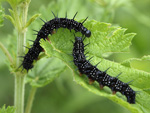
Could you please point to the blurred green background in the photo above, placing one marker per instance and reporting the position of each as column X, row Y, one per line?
column 63, row 95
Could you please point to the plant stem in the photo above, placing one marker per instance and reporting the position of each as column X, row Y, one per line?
column 19, row 77
column 19, row 93
column 20, row 47
column 22, row 32
column 21, row 17
column 30, row 100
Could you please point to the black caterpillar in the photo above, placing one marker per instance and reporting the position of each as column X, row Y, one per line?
column 94, row 74
column 47, row 29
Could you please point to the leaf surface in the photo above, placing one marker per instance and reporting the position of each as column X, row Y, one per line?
column 105, row 38
column 9, row 109
column 45, row 71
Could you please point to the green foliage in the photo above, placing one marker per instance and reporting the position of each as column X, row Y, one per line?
column 10, row 19
column 140, row 64
column 9, row 109
column 1, row 15
column 105, row 41
column 31, row 20
column 45, row 71
column 15, row 3
column 105, row 38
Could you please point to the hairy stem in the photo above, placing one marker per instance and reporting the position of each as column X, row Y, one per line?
column 21, row 17
column 30, row 100
column 20, row 47
column 22, row 32
column 19, row 93
column 19, row 77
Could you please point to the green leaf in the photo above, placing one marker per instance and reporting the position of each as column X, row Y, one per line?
column 1, row 15
column 45, row 71
column 10, row 18
column 140, row 64
column 31, row 20
column 105, row 38
column 12, row 13
column 9, row 109
column 14, row 3
column 111, row 39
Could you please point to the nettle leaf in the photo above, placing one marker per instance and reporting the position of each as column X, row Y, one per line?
column 105, row 38
column 31, row 20
column 137, row 63
column 10, row 18
column 9, row 109
column 45, row 71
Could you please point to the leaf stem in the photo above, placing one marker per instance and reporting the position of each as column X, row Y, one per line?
column 30, row 100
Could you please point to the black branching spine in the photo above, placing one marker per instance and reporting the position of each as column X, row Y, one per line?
column 94, row 74
column 47, row 29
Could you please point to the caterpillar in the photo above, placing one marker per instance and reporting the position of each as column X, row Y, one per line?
column 94, row 74
column 47, row 29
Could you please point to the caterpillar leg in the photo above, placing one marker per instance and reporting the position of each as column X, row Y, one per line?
column 91, row 81
column 80, row 74
column 101, row 86
column 113, row 92
column 48, row 40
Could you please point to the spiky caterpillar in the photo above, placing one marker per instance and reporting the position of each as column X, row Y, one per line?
column 94, row 74
column 47, row 29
